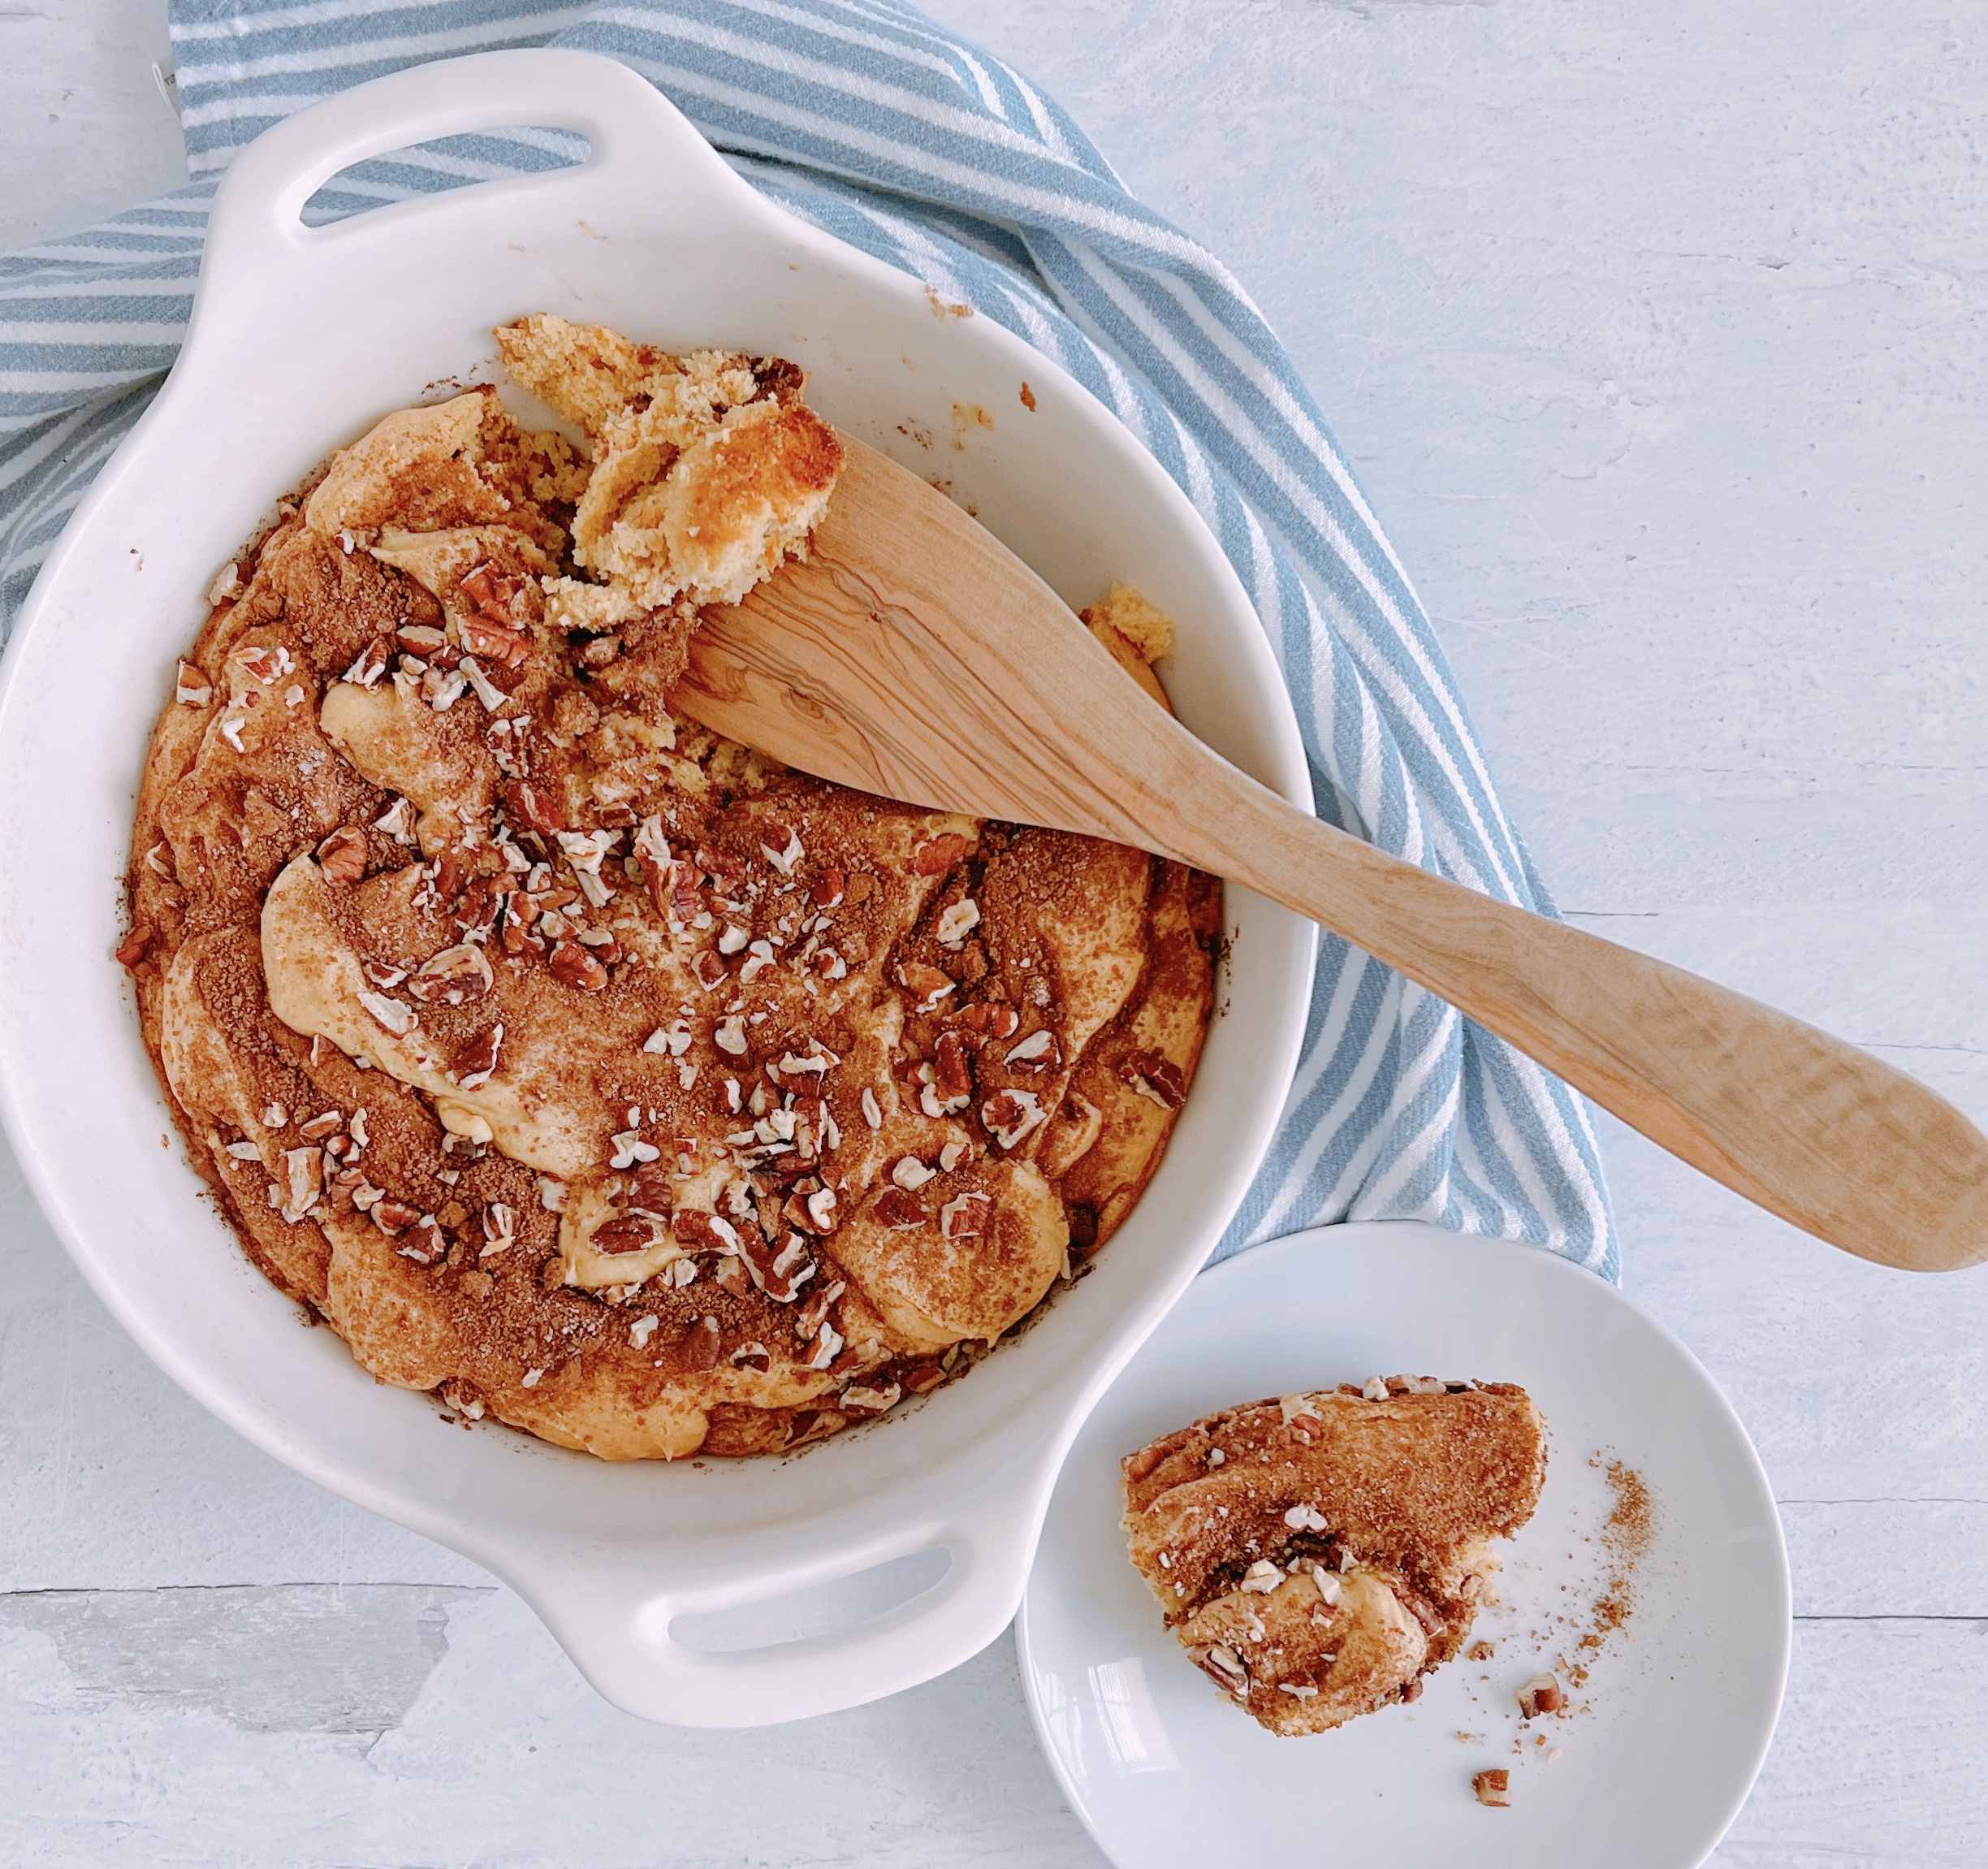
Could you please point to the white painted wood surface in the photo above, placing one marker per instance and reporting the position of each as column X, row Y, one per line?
column 1659, row 337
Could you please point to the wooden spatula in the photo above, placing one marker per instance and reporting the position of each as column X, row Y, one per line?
column 913, row 655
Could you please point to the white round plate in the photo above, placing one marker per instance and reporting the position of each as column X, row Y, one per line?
column 1661, row 1742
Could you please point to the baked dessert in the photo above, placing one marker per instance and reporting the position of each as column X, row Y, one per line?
column 569, row 1060
column 1317, row 1555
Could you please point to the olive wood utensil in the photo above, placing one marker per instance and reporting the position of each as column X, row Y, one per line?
column 915, row 656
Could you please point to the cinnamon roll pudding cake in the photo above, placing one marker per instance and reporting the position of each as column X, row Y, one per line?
column 1317, row 1555
column 595, row 1073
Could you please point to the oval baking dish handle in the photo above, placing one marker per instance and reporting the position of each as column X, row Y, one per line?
column 638, row 138
column 615, row 1621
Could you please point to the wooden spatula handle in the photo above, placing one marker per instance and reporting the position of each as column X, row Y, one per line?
column 1804, row 1125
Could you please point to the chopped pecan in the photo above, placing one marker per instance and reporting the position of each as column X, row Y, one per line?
column 518, row 936
column 1154, row 1077
column 1540, row 1694
column 304, row 1180
column 573, row 965
column 499, row 1228
column 811, row 1209
column 134, row 947
column 1037, row 1052
column 424, row 1242
column 817, row 1063
column 1262, row 1578
column 392, row 1014
column 828, row 888
column 951, row 1075
column 938, row 855
column 495, row 642
column 261, row 660
column 533, row 807
column 1009, row 1116
column 1492, row 1787
column 631, row 1233
column 828, row 1347
column 492, row 593
column 1227, row 1669
column 652, row 850
column 899, row 1210
column 722, row 866
column 816, row 1308
column 606, row 949
column 482, row 899
column 697, row 1348
column 451, row 977
column 781, row 1275
column 864, row 1399
column 629, row 1149
column 987, row 1018
column 964, row 1217
column 781, row 848
column 345, row 1190
column 956, row 921
column 477, row 1060
column 925, row 984
column 650, row 1192
column 754, row 1355
column 708, row 1232
column 810, row 1425
column 393, row 1217
column 342, row 856
column 371, row 664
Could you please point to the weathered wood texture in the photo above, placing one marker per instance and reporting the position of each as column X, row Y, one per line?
column 1657, row 336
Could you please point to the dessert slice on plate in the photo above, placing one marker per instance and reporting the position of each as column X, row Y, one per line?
column 1316, row 1554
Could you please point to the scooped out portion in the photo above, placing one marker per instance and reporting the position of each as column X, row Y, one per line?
column 593, row 1072
column 708, row 469
column 1317, row 1555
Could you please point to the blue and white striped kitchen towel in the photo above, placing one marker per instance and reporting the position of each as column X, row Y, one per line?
column 865, row 118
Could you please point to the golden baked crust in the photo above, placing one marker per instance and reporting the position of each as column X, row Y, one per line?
column 566, row 1059
column 1318, row 1554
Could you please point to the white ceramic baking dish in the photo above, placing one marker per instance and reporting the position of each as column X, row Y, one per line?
column 300, row 338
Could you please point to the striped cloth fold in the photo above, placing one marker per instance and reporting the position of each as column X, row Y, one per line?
column 868, row 120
